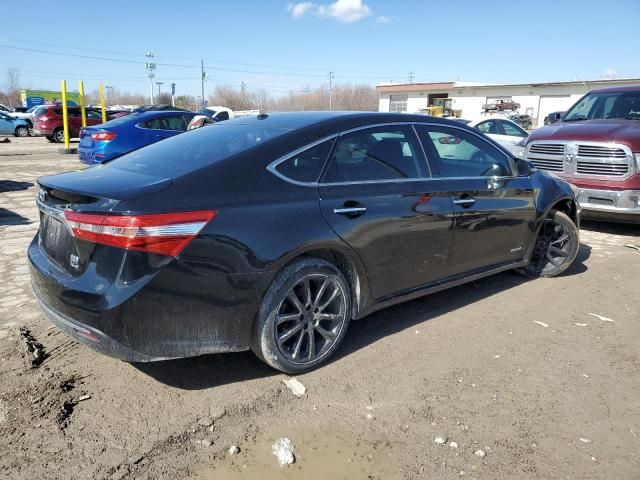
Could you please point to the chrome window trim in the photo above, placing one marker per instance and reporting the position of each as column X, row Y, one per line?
column 272, row 166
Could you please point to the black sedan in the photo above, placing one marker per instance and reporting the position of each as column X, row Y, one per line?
column 272, row 232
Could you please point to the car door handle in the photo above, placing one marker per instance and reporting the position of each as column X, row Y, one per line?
column 464, row 202
column 351, row 211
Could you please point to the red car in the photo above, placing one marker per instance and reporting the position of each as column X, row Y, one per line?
column 48, row 122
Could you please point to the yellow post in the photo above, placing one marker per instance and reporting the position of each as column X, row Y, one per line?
column 104, row 111
column 65, row 116
column 83, row 112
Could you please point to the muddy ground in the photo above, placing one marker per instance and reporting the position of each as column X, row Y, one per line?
column 554, row 399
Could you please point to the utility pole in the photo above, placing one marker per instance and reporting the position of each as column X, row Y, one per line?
column 410, row 77
column 173, row 94
column 109, row 96
column 159, row 84
column 330, row 90
column 202, row 79
column 243, row 90
column 150, row 66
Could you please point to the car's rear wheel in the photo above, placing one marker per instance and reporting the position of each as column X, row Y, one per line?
column 303, row 317
column 58, row 135
column 556, row 247
column 22, row 131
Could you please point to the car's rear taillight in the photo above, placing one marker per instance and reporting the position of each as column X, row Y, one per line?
column 164, row 233
column 103, row 136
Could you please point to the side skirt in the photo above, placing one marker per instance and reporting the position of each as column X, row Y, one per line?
column 437, row 287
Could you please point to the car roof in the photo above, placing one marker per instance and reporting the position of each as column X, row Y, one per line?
column 295, row 120
column 625, row 88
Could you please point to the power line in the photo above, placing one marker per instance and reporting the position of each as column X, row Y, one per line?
column 358, row 74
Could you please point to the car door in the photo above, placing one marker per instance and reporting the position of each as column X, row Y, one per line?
column 377, row 194
column 6, row 125
column 494, row 209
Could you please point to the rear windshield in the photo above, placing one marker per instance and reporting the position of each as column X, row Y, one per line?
column 195, row 149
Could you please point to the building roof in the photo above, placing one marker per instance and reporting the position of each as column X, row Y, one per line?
column 412, row 87
column 440, row 86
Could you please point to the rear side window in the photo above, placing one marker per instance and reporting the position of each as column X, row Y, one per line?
column 490, row 126
column 383, row 153
column 222, row 116
column 306, row 166
column 463, row 154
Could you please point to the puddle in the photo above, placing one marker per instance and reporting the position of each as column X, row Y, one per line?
column 320, row 455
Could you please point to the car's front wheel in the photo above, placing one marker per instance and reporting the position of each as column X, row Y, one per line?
column 22, row 131
column 303, row 317
column 556, row 247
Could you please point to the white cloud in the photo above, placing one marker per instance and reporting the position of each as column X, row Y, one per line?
column 610, row 73
column 347, row 11
column 383, row 19
column 299, row 9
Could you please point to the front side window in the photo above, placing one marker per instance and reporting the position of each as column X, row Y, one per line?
column 398, row 103
column 513, row 130
column 306, row 166
column 463, row 154
column 382, row 153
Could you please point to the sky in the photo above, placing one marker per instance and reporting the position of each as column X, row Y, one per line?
column 281, row 46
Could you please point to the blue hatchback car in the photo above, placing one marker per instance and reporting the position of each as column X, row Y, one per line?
column 125, row 134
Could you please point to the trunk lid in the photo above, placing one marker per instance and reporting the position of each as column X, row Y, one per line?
column 93, row 190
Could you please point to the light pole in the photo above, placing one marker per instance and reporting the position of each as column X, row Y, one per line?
column 109, row 90
column 159, row 84
column 150, row 66
column 173, row 94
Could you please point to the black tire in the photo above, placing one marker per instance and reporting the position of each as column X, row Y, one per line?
column 50, row 138
column 58, row 135
column 273, row 341
column 553, row 253
column 21, row 131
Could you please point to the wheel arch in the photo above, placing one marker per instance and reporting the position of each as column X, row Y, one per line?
column 348, row 264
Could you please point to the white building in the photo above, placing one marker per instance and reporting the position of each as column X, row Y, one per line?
column 535, row 99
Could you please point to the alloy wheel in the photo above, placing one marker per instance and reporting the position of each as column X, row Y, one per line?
column 553, row 247
column 310, row 318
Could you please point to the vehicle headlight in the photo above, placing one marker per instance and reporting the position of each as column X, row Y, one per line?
column 519, row 151
column 637, row 155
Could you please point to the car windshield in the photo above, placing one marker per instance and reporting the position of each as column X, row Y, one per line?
column 606, row 105
column 198, row 148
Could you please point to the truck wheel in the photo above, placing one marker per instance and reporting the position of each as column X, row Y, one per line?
column 58, row 135
column 556, row 247
column 303, row 317
column 21, row 131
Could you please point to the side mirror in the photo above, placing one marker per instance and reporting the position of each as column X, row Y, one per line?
column 525, row 167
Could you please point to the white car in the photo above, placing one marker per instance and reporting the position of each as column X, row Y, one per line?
column 503, row 131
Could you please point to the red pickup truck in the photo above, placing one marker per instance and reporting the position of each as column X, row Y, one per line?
column 596, row 147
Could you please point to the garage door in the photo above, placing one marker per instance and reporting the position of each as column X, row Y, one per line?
column 552, row 103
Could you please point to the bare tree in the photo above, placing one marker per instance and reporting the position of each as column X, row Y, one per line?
column 13, row 86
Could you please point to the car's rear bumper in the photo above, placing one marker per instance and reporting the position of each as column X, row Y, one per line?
column 181, row 310
column 615, row 205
